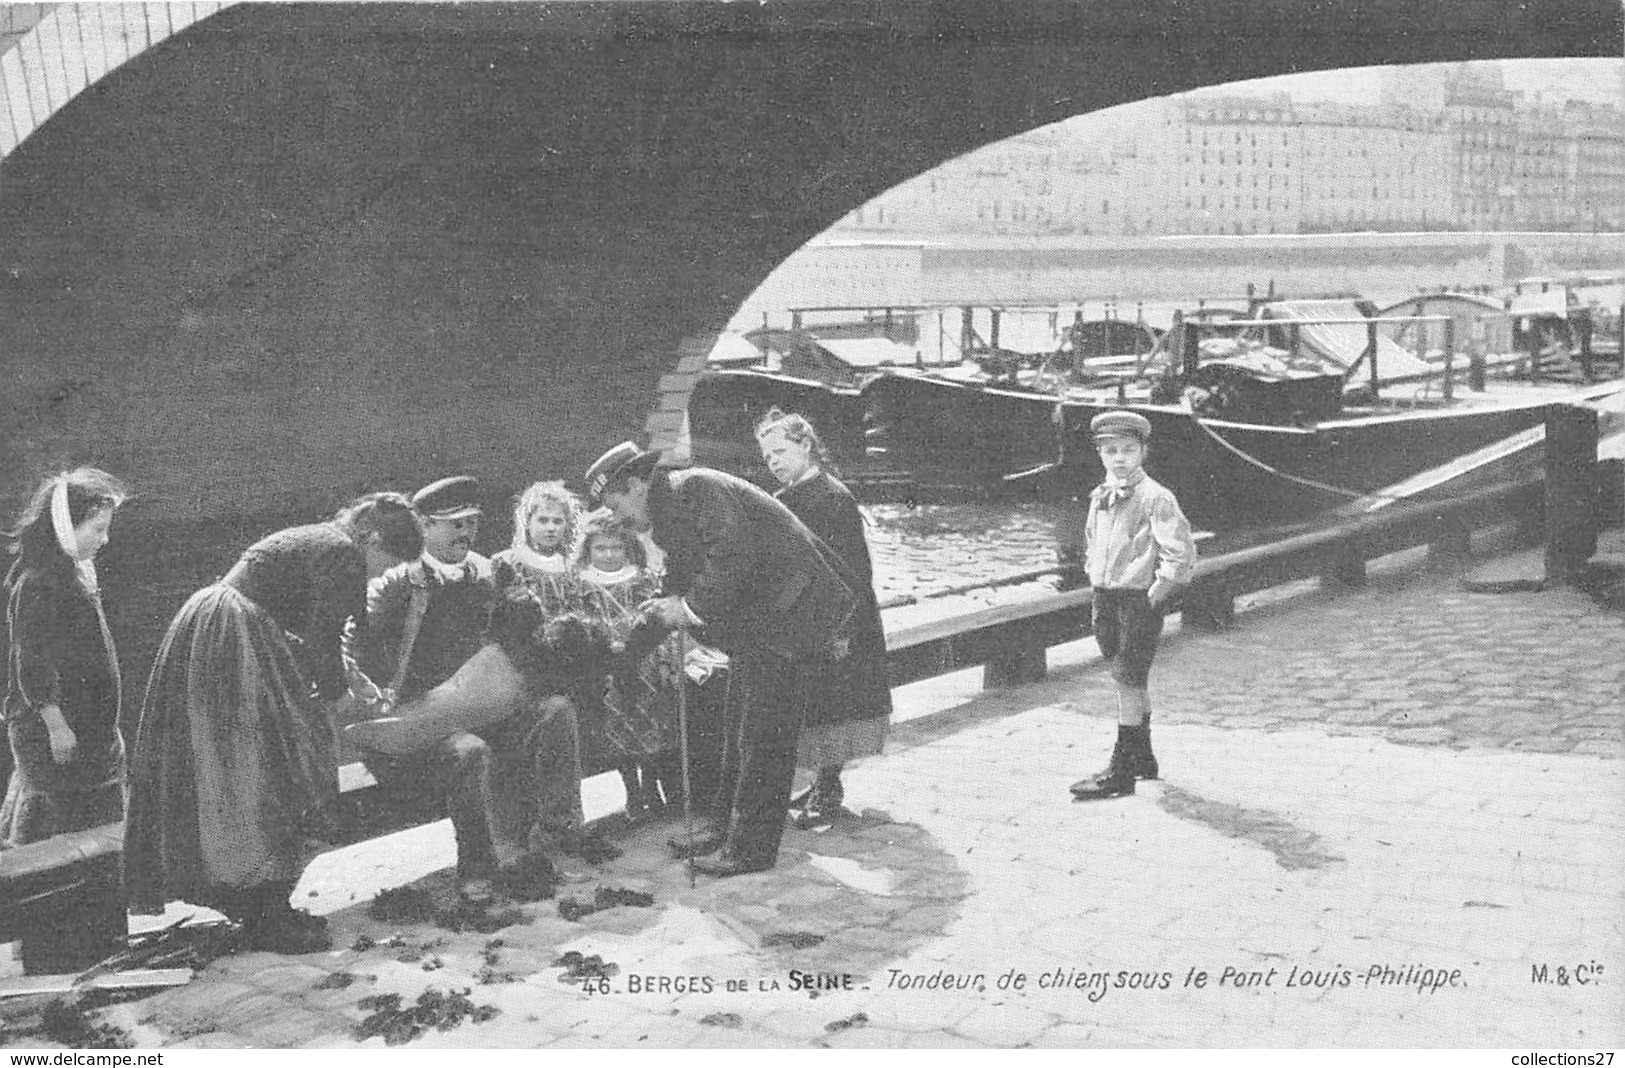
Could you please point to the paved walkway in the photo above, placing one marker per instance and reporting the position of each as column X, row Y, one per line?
column 1385, row 814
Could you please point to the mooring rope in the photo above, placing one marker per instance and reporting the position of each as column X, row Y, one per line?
column 1299, row 479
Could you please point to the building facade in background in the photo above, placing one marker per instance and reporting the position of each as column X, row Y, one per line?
column 1445, row 147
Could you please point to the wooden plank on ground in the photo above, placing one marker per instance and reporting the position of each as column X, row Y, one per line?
column 135, row 979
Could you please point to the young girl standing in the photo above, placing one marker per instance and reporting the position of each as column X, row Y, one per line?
column 849, row 696
column 638, row 728
column 62, row 695
column 535, row 571
column 546, row 519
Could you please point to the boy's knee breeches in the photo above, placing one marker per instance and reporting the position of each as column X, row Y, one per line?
column 1127, row 628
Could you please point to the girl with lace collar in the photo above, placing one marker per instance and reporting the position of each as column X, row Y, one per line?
column 638, row 728
column 546, row 522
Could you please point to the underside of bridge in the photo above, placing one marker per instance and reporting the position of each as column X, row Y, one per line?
column 295, row 251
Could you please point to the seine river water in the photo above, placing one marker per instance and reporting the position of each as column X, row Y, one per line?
column 926, row 549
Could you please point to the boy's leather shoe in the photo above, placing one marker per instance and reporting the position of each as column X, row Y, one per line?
column 1117, row 780
column 1119, row 783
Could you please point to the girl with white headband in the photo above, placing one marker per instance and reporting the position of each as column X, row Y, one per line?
column 62, row 694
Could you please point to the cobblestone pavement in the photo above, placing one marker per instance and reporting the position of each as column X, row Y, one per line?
column 1388, row 817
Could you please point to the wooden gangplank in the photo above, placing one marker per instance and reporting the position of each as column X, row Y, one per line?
column 1516, row 458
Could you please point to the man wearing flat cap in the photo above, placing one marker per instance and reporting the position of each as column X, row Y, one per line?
column 459, row 584
column 769, row 594
column 424, row 620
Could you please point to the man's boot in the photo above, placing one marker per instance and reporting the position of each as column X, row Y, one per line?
column 1117, row 780
column 1145, row 761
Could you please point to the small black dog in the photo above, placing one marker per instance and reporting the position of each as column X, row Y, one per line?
column 576, row 655
column 566, row 655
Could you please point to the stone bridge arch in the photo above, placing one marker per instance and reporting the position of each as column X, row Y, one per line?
column 371, row 242
column 50, row 53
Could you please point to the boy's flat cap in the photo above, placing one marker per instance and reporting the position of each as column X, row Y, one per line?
column 1119, row 422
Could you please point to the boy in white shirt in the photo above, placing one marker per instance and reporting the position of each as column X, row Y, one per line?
column 1140, row 552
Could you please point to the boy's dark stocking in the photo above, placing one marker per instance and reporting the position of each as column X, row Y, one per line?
column 1117, row 779
column 1131, row 756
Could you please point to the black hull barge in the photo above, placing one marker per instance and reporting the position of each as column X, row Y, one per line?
column 1264, row 419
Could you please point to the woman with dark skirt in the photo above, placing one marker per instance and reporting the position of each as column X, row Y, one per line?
column 236, row 755
column 849, row 700
column 62, row 693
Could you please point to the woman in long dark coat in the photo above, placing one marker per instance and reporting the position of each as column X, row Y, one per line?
column 62, row 691
column 236, row 755
column 849, row 699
